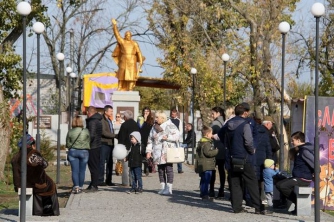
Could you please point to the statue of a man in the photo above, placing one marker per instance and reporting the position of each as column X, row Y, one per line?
column 126, row 55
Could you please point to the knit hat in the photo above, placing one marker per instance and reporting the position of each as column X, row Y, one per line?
column 136, row 135
column 268, row 163
column 30, row 141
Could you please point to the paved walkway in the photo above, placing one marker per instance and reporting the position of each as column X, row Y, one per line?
column 114, row 204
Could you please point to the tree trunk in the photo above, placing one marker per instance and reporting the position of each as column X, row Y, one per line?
column 5, row 133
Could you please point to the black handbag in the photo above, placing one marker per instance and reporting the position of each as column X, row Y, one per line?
column 238, row 165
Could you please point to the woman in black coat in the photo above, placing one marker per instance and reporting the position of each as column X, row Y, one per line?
column 145, row 132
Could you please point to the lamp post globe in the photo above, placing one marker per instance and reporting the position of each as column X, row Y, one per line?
column 225, row 57
column 284, row 27
column 73, row 75
column 318, row 9
column 69, row 70
column 23, row 8
column 38, row 27
column 193, row 71
column 60, row 56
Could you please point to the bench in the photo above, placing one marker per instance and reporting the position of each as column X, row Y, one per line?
column 303, row 195
column 29, row 201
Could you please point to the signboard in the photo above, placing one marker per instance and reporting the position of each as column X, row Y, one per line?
column 121, row 109
column 326, row 144
column 44, row 122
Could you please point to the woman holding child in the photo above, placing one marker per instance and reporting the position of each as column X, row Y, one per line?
column 163, row 134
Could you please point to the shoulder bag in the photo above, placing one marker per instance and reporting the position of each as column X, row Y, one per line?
column 175, row 155
column 75, row 139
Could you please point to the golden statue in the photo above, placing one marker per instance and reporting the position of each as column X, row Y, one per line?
column 126, row 55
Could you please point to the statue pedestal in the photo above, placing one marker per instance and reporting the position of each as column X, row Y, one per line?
column 126, row 100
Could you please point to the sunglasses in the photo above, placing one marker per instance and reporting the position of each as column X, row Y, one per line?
column 117, row 116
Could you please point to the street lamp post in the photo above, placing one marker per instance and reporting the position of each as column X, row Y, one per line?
column 60, row 56
column 69, row 72
column 24, row 9
column 225, row 58
column 193, row 72
column 318, row 10
column 284, row 28
column 38, row 28
column 68, row 78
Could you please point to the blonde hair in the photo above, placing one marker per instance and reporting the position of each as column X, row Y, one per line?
column 77, row 122
column 161, row 114
column 206, row 130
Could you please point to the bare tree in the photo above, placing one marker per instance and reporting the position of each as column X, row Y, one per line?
column 90, row 22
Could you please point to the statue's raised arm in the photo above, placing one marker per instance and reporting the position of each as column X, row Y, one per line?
column 126, row 55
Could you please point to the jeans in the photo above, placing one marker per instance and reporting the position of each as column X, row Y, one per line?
column 78, row 159
column 136, row 177
column 106, row 157
column 179, row 167
column 205, row 182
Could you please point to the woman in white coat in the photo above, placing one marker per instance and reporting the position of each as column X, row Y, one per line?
column 163, row 134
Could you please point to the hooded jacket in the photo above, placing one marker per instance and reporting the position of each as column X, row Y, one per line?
column 135, row 156
column 206, row 153
column 94, row 127
column 157, row 146
column 238, row 137
column 304, row 162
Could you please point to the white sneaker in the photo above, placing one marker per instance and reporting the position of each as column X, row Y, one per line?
column 265, row 202
column 168, row 189
column 163, row 188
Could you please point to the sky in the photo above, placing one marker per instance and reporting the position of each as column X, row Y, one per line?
column 302, row 16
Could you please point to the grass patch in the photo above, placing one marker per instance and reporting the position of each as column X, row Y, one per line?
column 331, row 212
column 10, row 200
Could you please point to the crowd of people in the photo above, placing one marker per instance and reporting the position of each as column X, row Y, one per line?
column 242, row 148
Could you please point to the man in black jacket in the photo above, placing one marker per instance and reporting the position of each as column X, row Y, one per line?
column 107, row 147
column 302, row 155
column 94, row 126
column 239, row 140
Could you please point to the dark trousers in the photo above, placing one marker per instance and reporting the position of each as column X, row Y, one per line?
column 106, row 163
column 286, row 186
column 249, row 179
column 94, row 165
column 222, row 176
column 46, row 205
column 166, row 174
